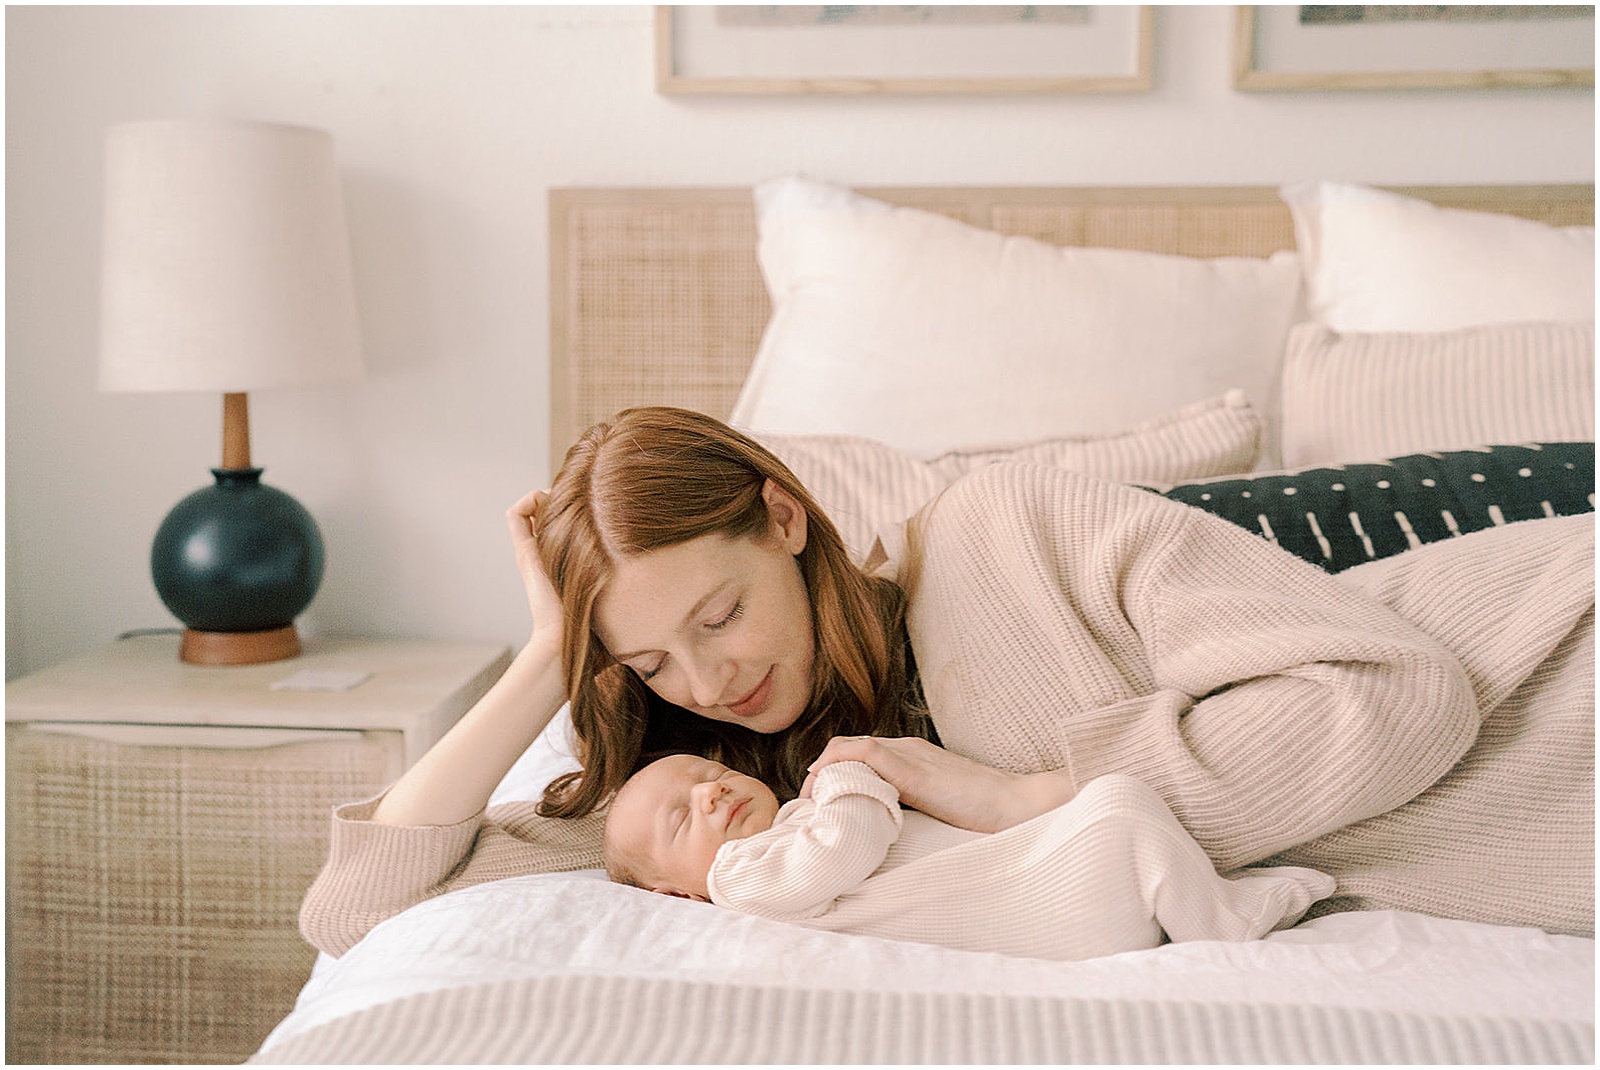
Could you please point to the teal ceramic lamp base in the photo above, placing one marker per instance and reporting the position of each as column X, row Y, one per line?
column 237, row 562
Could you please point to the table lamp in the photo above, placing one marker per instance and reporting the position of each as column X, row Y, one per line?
column 226, row 268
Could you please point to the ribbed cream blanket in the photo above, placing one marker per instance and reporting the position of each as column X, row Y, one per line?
column 1283, row 714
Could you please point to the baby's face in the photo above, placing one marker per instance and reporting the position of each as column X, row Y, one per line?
column 671, row 817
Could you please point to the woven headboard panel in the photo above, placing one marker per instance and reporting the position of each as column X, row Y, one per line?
column 656, row 297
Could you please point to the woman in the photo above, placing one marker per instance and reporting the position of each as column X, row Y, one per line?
column 688, row 594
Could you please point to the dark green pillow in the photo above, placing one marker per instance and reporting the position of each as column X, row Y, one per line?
column 1344, row 515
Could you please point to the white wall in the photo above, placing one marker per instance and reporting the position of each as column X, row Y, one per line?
column 451, row 124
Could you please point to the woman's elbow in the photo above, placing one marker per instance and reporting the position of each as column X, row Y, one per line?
column 1448, row 712
column 1422, row 718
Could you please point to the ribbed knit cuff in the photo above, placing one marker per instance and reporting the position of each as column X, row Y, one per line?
column 856, row 778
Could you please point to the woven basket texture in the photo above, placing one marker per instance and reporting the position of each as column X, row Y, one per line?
column 152, row 892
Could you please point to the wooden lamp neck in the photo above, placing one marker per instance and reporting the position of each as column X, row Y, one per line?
column 235, row 431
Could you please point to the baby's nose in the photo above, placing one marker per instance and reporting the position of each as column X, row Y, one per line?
column 709, row 792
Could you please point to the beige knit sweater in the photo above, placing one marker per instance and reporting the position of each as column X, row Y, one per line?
column 1282, row 713
column 1108, row 872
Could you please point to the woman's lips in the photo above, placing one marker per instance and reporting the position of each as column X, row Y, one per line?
column 756, row 700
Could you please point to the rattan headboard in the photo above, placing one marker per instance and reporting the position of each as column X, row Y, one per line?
column 656, row 298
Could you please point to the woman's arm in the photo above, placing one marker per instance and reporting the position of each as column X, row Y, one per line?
column 454, row 779
column 956, row 790
column 427, row 834
column 1066, row 623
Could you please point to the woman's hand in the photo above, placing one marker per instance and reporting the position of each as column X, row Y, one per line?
column 523, row 519
column 956, row 790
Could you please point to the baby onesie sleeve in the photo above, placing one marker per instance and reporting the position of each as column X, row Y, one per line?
column 817, row 849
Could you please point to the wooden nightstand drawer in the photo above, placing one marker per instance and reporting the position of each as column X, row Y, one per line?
column 154, row 878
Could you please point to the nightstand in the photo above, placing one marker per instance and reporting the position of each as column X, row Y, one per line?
column 163, row 822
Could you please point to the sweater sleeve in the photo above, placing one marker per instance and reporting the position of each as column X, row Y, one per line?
column 375, row 871
column 815, row 852
column 1066, row 622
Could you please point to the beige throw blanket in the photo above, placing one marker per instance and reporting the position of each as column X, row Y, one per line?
column 1421, row 727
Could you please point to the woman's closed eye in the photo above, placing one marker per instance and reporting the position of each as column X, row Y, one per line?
column 646, row 675
column 733, row 614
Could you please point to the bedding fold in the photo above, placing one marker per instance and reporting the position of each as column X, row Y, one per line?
column 623, row 1020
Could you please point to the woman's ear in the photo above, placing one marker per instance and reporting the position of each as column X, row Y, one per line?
column 788, row 516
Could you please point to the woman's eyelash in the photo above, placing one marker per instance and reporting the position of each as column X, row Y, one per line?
column 651, row 674
column 733, row 614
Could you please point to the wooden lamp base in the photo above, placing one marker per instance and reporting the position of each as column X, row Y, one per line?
column 238, row 648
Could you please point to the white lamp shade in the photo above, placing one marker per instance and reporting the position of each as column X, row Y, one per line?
column 226, row 263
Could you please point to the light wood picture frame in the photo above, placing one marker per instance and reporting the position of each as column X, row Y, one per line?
column 1400, row 47
column 867, row 50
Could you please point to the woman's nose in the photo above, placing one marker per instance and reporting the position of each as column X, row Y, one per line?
column 708, row 680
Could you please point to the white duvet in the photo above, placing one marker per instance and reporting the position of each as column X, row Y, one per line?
column 580, row 924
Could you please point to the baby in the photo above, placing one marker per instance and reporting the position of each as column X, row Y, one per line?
column 1110, row 871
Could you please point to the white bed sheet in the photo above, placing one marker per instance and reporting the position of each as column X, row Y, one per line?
column 580, row 924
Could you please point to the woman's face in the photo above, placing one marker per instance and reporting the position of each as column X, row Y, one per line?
column 719, row 626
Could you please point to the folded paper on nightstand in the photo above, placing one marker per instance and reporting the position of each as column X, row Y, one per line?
column 322, row 680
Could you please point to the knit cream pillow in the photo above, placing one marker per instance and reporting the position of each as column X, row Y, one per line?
column 1350, row 397
column 864, row 485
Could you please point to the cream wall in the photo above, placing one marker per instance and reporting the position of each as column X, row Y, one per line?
column 451, row 124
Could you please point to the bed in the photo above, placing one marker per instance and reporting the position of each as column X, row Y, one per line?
column 1348, row 372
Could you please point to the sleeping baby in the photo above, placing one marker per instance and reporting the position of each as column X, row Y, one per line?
column 1110, row 871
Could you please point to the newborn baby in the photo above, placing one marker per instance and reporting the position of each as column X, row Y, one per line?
column 1110, row 871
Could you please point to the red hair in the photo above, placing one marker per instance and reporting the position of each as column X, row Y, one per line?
column 656, row 477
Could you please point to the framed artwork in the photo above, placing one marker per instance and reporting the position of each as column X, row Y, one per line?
column 882, row 49
column 1413, row 46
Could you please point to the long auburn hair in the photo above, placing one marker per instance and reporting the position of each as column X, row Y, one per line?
column 657, row 476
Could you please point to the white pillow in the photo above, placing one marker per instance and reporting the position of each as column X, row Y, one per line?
column 1379, row 261
column 865, row 485
column 929, row 335
column 1349, row 397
